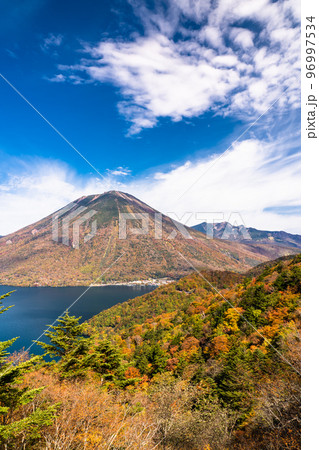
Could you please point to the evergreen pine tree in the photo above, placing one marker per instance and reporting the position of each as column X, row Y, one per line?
column 141, row 360
column 106, row 361
column 25, row 431
column 152, row 358
column 68, row 343
column 233, row 385
column 63, row 337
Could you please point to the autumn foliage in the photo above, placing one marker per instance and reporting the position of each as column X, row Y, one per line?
column 209, row 362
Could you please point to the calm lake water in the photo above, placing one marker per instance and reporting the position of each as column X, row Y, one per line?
column 37, row 307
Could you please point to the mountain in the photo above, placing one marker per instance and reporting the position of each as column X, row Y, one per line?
column 80, row 245
column 224, row 230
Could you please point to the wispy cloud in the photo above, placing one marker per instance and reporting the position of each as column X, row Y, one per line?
column 235, row 59
column 52, row 41
column 120, row 172
column 11, row 53
column 39, row 187
column 256, row 178
column 59, row 78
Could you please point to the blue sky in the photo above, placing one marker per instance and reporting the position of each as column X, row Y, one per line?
column 151, row 93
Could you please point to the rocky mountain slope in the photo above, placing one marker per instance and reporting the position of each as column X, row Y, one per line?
column 80, row 245
column 224, row 230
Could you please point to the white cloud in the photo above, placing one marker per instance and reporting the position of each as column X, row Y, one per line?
column 242, row 37
column 254, row 176
column 212, row 36
column 51, row 41
column 179, row 71
column 120, row 172
column 59, row 78
column 41, row 188
column 194, row 9
column 164, row 79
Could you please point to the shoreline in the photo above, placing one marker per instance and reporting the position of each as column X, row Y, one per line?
column 153, row 282
column 138, row 283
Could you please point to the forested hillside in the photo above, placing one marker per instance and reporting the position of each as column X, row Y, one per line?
column 209, row 362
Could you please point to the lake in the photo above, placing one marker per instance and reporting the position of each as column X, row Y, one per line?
column 37, row 307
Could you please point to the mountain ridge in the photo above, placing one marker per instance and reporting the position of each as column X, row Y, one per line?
column 30, row 257
column 224, row 230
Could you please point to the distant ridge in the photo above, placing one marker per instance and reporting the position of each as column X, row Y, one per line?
column 29, row 257
column 224, row 230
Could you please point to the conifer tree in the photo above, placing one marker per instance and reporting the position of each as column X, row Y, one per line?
column 151, row 359
column 63, row 337
column 233, row 385
column 107, row 362
column 68, row 343
column 141, row 360
column 26, row 430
